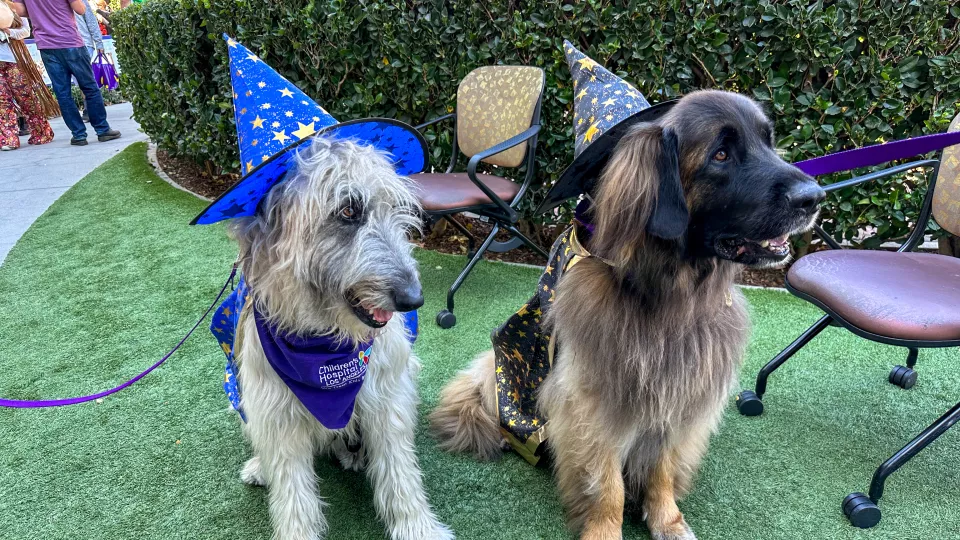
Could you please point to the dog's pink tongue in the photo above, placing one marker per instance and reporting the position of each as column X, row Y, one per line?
column 382, row 315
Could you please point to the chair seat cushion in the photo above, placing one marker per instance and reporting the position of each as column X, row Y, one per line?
column 910, row 296
column 440, row 192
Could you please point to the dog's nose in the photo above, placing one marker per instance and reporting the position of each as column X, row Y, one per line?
column 408, row 297
column 805, row 196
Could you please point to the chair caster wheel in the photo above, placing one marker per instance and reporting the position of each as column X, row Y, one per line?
column 445, row 319
column 861, row 511
column 903, row 377
column 749, row 404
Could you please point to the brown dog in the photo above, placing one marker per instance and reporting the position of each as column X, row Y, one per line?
column 650, row 329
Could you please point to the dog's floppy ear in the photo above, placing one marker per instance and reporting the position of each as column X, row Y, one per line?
column 639, row 194
column 669, row 217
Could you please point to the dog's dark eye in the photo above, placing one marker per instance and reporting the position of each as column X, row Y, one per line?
column 350, row 212
column 720, row 155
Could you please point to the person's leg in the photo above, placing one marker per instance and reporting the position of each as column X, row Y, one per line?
column 79, row 65
column 26, row 98
column 59, row 73
column 9, row 133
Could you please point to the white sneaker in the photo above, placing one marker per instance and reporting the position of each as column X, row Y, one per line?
column 6, row 148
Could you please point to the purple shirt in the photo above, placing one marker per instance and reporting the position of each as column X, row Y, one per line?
column 54, row 25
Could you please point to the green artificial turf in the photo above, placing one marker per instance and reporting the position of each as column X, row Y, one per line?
column 111, row 277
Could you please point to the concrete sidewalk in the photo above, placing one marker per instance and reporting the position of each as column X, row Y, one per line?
column 33, row 177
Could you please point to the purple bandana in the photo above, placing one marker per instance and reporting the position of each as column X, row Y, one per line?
column 324, row 375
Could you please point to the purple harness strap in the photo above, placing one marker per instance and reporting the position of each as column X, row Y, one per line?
column 31, row 404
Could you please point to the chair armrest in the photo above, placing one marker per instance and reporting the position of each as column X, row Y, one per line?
column 857, row 180
column 917, row 233
column 436, row 120
column 493, row 150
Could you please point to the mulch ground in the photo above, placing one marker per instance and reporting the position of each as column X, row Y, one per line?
column 193, row 177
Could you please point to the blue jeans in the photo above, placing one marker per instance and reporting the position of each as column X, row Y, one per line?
column 61, row 64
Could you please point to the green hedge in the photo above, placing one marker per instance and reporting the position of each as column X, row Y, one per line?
column 833, row 73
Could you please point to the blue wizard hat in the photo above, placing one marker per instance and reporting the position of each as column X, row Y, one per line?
column 274, row 118
column 604, row 108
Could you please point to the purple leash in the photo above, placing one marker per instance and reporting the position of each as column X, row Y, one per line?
column 877, row 154
column 30, row 404
column 831, row 163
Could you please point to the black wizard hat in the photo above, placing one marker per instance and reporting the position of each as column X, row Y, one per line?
column 605, row 107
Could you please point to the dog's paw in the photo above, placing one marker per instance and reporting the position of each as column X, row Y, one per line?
column 681, row 532
column 251, row 473
column 350, row 460
column 429, row 530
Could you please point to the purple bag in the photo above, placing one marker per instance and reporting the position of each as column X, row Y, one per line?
column 104, row 72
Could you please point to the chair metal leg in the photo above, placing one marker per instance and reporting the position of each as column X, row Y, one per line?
column 861, row 509
column 530, row 243
column 749, row 401
column 446, row 318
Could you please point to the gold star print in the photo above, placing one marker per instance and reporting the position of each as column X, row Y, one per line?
column 275, row 125
column 537, row 312
column 258, row 122
column 231, row 43
column 286, row 93
column 512, row 423
column 218, row 330
column 586, row 63
column 580, row 121
column 254, row 142
column 546, row 288
column 517, row 355
column 252, row 57
column 629, row 106
column 225, row 347
column 227, row 312
column 593, row 78
column 516, row 395
column 609, row 117
column 591, row 119
column 261, row 84
column 249, row 168
column 288, row 114
column 582, row 94
column 265, row 106
column 265, row 157
column 304, row 130
column 591, row 133
column 499, row 370
column 535, row 422
column 593, row 101
column 609, row 102
column 521, row 333
column 521, row 312
column 248, row 93
column 243, row 110
column 549, row 270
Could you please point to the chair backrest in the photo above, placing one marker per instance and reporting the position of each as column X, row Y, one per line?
column 946, row 192
column 495, row 103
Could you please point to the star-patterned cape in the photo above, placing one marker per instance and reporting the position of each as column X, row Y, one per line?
column 523, row 352
column 224, row 328
column 274, row 118
column 604, row 108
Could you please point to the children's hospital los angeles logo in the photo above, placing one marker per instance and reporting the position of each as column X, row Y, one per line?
column 333, row 376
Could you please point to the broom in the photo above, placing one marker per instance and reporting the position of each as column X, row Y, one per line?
column 31, row 73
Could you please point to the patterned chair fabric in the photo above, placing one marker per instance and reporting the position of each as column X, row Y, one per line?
column 946, row 195
column 495, row 103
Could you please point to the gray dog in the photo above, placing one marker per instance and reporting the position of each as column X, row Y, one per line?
column 327, row 255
